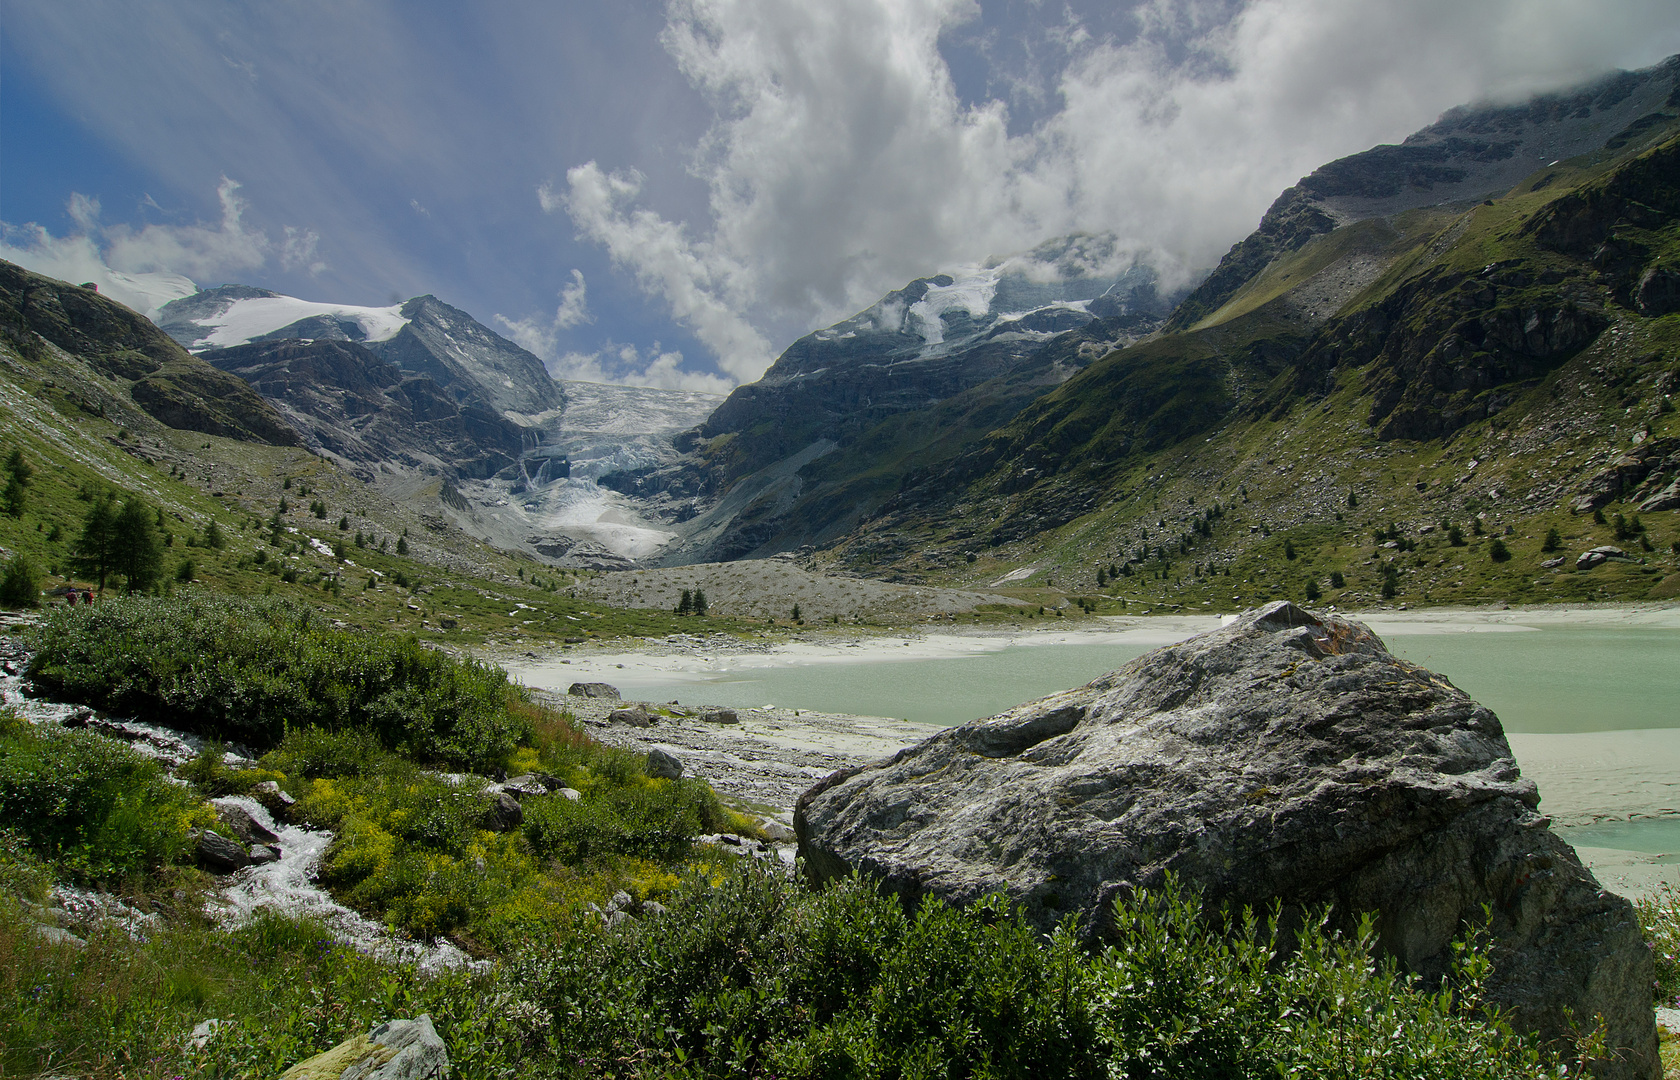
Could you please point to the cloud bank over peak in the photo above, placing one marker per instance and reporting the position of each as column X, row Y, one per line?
column 843, row 159
column 147, row 267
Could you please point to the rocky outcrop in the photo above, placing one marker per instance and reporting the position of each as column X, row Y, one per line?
column 594, row 690
column 368, row 413
column 395, row 1050
column 1591, row 558
column 1625, row 475
column 1285, row 757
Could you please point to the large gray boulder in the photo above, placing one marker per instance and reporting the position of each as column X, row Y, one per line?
column 395, row 1050
column 1284, row 756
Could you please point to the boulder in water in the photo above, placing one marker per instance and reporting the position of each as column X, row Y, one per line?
column 218, row 854
column 1284, row 757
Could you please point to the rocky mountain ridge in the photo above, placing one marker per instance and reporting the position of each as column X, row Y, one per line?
column 977, row 342
column 1320, row 383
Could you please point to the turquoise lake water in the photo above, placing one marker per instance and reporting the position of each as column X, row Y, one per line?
column 1593, row 714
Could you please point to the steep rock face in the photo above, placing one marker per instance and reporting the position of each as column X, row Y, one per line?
column 474, row 364
column 1283, row 757
column 163, row 379
column 752, row 468
column 365, row 412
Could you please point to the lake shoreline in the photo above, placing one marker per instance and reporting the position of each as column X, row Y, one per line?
column 774, row 753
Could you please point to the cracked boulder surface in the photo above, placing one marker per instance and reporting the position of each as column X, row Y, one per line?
column 1287, row 757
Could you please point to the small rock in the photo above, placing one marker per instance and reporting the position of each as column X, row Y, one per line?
column 57, row 935
column 504, row 814
column 778, row 832
column 572, row 794
column 1591, row 558
column 79, row 718
column 635, row 716
column 269, row 794
column 243, row 825
column 220, row 855
column 651, row 908
column 522, row 787
column 1553, row 564
column 621, row 901
column 395, row 1050
column 203, row 1033
column 662, row 766
column 594, row 690
column 720, row 716
column 264, row 853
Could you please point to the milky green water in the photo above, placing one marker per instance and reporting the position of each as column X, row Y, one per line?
column 1541, row 681
column 1593, row 715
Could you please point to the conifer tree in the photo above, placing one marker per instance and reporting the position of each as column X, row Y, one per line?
column 138, row 556
column 699, row 601
column 12, row 497
column 685, row 606
column 95, row 551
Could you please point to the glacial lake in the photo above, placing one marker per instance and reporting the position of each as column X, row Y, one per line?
column 1592, row 711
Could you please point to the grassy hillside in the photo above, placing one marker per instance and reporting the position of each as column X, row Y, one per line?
column 245, row 516
column 1481, row 372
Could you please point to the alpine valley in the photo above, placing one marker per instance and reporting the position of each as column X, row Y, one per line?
column 1437, row 372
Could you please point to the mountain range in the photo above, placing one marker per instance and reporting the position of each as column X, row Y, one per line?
column 1473, row 333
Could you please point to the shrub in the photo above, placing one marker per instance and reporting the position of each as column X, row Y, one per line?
column 91, row 805
column 759, row 977
column 1659, row 915
column 1337, row 581
column 20, row 583
column 655, row 820
column 1497, row 551
column 1554, row 540
column 247, row 669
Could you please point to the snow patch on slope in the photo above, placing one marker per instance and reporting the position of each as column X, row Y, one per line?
column 243, row 321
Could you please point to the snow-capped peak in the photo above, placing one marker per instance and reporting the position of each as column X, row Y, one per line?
column 237, row 320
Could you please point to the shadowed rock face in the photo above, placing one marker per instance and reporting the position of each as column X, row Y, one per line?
column 1284, row 757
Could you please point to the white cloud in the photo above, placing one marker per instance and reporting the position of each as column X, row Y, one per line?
column 541, row 337
column 574, row 303
column 707, row 287
column 623, row 365
column 842, row 163
column 146, row 268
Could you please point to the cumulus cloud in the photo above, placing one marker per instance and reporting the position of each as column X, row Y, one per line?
column 542, row 337
column 707, row 287
column 624, row 365
column 147, row 267
column 842, row 160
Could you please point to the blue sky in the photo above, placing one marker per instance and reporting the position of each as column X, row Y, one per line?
column 669, row 193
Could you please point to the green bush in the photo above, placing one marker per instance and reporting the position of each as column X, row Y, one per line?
column 760, row 977
column 20, row 584
column 653, row 821
column 90, row 805
column 246, row 670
